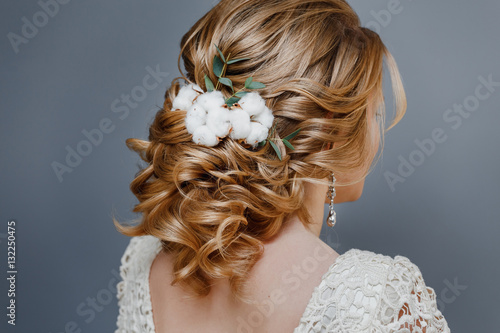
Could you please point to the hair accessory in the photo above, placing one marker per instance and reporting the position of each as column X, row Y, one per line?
column 332, row 216
column 243, row 116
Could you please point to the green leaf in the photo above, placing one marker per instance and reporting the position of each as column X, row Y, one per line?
column 209, row 84
column 276, row 149
column 291, row 136
column 274, row 128
column 262, row 143
column 218, row 66
column 256, row 85
column 227, row 82
column 288, row 144
column 220, row 52
column 230, row 101
column 248, row 82
column 241, row 93
column 236, row 60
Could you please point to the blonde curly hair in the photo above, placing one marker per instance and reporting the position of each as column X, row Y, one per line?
column 214, row 207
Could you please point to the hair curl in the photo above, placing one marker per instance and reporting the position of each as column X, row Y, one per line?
column 213, row 207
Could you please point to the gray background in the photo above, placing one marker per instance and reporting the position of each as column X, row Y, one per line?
column 443, row 217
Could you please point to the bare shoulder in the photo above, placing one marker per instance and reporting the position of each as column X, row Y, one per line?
column 285, row 277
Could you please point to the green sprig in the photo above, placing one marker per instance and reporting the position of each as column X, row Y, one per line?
column 219, row 66
column 285, row 140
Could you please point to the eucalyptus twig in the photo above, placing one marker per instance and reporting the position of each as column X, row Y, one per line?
column 285, row 140
column 220, row 65
column 236, row 93
column 225, row 60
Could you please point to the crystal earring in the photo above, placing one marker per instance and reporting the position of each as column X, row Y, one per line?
column 332, row 216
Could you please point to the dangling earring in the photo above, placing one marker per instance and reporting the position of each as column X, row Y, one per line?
column 332, row 216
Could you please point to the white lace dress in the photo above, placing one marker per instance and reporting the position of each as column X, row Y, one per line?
column 361, row 292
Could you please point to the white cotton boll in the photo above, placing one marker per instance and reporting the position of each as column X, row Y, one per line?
column 184, row 98
column 204, row 136
column 240, row 123
column 181, row 103
column 197, row 111
column 258, row 133
column 266, row 117
column 197, row 88
column 218, row 121
column 192, row 123
column 211, row 100
column 192, row 91
column 195, row 117
column 252, row 103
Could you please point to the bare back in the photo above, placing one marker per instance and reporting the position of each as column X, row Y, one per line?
column 282, row 283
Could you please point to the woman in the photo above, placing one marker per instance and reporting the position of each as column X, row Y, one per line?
column 232, row 197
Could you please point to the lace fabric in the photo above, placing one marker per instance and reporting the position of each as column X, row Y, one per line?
column 368, row 292
column 361, row 292
column 134, row 302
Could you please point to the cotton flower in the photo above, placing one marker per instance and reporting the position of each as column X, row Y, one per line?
column 211, row 100
column 240, row 123
column 209, row 120
column 195, row 117
column 218, row 121
column 197, row 88
column 204, row 136
column 185, row 97
column 257, row 134
column 266, row 117
column 252, row 103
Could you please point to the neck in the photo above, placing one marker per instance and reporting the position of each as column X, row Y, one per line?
column 314, row 201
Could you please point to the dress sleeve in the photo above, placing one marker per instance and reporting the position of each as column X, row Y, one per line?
column 134, row 306
column 365, row 292
column 124, row 288
column 408, row 305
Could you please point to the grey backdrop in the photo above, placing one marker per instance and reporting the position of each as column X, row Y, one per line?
column 68, row 69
